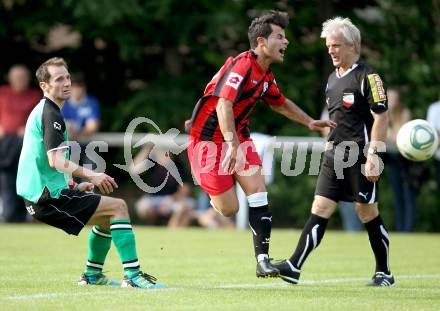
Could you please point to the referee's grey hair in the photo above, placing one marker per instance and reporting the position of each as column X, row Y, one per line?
column 345, row 27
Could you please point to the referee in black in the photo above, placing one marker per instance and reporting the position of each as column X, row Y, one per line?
column 357, row 102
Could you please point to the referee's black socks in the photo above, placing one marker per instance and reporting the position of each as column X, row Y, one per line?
column 311, row 236
column 380, row 243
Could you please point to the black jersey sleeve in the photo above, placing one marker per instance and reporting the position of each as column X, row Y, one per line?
column 375, row 92
column 53, row 128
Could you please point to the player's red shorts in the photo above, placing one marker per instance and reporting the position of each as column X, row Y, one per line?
column 206, row 157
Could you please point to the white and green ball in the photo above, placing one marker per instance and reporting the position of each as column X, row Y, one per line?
column 417, row 140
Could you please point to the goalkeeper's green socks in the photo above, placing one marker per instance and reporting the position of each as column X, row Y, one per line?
column 99, row 245
column 123, row 237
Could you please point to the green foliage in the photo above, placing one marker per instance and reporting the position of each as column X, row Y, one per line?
column 405, row 44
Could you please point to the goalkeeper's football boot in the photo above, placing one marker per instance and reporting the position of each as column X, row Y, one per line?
column 382, row 279
column 98, row 279
column 288, row 272
column 141, row 280
column 266, row 270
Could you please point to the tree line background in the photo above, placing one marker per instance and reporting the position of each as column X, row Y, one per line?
column 154, row 58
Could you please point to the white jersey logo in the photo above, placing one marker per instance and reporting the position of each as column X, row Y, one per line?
column 363, row 195
column 30, row 210
column 265, row 87
column 234, row 80
column 57, row 126
column 348, row 99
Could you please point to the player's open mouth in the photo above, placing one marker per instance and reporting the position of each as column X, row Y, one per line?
column 282, row 51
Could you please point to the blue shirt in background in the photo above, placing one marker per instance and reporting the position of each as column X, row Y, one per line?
column 87, row 109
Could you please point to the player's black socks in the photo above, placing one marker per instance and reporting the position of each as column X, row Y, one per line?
column 260, row 221
column 380, row 242
column 311, row 236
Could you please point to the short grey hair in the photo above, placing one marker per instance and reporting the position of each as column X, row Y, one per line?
column 344, row 27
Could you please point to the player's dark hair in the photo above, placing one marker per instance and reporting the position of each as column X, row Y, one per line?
column 261, row 26
column 43, row 74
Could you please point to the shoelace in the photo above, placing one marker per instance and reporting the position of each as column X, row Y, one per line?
column 148, row 277
column 102, row 279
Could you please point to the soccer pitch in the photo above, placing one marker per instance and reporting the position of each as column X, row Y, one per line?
column 215, row 270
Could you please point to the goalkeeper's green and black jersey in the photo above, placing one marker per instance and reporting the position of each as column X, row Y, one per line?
column 351, row 99
column 45, row 131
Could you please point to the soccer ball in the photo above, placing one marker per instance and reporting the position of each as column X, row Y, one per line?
column 417, row 140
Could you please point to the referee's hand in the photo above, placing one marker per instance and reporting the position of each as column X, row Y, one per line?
column 105, row 183
column 372, row 168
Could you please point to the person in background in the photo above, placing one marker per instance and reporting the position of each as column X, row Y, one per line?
column 404, row 194
column 170, row 200
column 17, row 99
column 82, row 114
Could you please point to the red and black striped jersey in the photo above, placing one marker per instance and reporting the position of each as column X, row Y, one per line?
column 242, row 81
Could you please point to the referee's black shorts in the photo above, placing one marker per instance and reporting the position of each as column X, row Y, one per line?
column 70, row 212
column 347, row 184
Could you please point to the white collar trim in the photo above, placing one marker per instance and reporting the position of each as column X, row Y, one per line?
column 347, row 72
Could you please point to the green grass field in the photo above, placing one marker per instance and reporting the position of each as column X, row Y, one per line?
column 215, row 270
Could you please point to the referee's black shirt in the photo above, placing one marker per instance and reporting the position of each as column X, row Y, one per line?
column 351, row 99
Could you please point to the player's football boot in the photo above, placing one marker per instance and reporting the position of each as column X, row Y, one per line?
column 98, row 279
column 288, row 272
column 141, row 280
column 265, row 269
column 382, row 279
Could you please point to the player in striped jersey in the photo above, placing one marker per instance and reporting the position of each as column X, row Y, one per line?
column 221, row 150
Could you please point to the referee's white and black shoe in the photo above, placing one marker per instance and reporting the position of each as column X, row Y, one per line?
column 382, row 279
column 288, row 272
